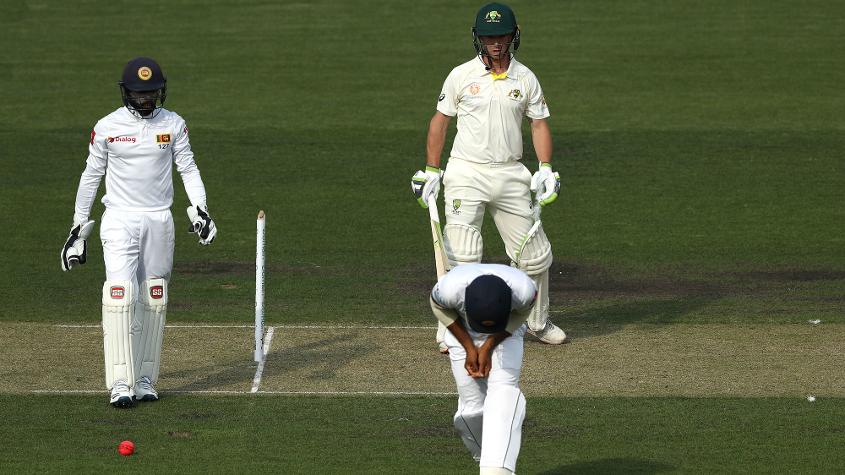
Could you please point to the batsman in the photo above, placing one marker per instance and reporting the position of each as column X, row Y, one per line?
column 490, row 95
column 135, row 148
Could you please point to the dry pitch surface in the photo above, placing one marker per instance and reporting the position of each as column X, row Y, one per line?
column 636, row 360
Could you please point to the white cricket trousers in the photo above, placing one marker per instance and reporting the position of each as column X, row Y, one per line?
column 137, row 246
column 502, row 188
column 490, row 410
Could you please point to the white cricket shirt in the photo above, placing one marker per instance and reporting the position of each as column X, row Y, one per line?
column 137, row 156
column 490, row 111
column 450, row 290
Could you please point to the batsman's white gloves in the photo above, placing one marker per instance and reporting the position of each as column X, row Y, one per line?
column 545, row 184
column 75, row 250
column 426, row 183
column 202, row 224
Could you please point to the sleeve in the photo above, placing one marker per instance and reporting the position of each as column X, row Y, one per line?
column 524, row 297
column 536, row 108
column 89, row 182
column 443, row 302
column 183, row 157
column 447, row 101
column 446, row 316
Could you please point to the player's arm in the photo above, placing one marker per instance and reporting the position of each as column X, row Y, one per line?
column 541, row 136
column 437, row 128
column 183, row 157
column 75, row 249
column 544, row 183
column 461, row 334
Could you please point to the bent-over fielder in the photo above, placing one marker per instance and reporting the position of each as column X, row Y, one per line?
column 135, row 147
column 485, row 307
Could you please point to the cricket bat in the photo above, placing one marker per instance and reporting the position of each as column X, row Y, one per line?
column 439, row 261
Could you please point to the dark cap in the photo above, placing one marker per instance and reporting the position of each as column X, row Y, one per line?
column 143, row 74
column 495, row 19
column 488, row 304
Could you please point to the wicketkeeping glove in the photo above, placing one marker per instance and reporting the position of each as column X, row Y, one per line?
column 426, row 183
column 545, row 184
column 75, row 250
column 202, row 224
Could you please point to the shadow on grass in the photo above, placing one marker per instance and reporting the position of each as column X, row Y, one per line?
column 613, row 465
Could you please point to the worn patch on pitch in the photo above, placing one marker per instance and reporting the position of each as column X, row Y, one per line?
column 634, row 360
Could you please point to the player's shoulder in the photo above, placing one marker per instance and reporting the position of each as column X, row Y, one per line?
column 464, row 69
column 522, row 71
column 112, row 120
column 167, row 116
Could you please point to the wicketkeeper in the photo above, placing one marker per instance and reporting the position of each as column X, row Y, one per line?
column 484, row 307
column 490, row 95
column 135, row 147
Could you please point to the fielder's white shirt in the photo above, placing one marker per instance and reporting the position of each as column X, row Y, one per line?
column 490, row 110
column 137, row 156
column 450, row 290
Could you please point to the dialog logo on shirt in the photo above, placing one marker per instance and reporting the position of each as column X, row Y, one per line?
column 122, row 138
column 515, row 94
column 163, row 138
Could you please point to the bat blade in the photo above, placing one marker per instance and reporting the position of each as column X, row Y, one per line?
column 437, row 238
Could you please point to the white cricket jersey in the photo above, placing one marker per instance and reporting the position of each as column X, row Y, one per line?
column 136, row 156
column 490, row 111
column 450, row 290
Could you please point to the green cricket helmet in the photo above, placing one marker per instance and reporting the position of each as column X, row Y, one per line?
column 495, row 19
column 143, row 87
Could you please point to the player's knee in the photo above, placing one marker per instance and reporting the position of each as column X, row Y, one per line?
column 118, row 293
column 154, row 293
column 536, row 256
column 464, row 244
column 468, row 419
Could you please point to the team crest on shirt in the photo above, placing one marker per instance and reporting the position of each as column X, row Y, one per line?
column 163, row 138
column 456, row 204
column 515, row 94
column 474, row 88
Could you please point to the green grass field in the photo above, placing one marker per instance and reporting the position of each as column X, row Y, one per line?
column 698, row 231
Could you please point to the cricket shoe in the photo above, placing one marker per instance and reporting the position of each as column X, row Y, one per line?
column 144, row 390
column 121, row 395
column 550, row 334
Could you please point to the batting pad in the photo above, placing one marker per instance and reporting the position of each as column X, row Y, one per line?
column 536, row 255
column 150, row 316
column 504, row 412
column 464, row 244
column 118, row 305
column 540, row 311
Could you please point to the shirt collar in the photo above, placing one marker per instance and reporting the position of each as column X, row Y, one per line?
column 482, row 70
